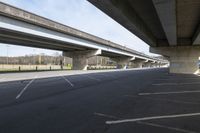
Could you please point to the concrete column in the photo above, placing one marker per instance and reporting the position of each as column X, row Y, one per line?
column 153, row 64
column 80, row 58
column 157, row 64
column 183, row 59
column 184, row 64
column 122, row 65
column 122, row 62
column 147, row 64
column 139, row 63
column 79, row 62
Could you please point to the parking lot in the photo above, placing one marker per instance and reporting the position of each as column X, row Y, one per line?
column 139, row 101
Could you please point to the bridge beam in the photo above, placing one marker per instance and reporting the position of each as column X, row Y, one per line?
column 196, row 37
column 166, row 11
column 80, row 58
column 123, row 13
column 183, row 59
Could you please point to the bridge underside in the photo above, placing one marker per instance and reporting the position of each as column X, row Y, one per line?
column 17, row 38
column 80, row 54
column 161, row 23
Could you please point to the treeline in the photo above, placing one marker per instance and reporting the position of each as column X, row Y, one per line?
column 33, row 60
column 100, row 60
column 43, row 59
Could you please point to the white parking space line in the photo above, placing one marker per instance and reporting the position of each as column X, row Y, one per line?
column 90, row 77
column 152, row 118
column 171, row 92
column 107, row 116
column 162, row 99
column 166, row 127
column 191, row 83
column 22, row 91
column 72, row 85
column 147, row 123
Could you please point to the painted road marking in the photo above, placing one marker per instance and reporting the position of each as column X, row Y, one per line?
column 147, row 123
column 90, row 77
column 166, row 127
column 72, row 85
column 162, row 99
column 108, row 116
column 171, row 92
column 152, row 118
column 191, row 83
column 22, row 91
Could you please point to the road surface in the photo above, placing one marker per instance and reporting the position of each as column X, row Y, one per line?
column 133, row 101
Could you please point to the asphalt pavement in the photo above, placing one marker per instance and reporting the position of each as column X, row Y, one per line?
column 132, row 101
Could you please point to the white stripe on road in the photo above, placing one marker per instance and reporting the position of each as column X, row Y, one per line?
column 166, row 127
column 22, row 91
column 171, row 92
column 191, row 83
column 147, row 123
column 90, row 77
column 104, row 115
column 72, row 85
column 152, row 118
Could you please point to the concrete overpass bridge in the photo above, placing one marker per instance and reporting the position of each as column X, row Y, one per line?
column 20, row 27
column 170, row 27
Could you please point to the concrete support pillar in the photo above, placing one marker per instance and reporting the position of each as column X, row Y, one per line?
column 148, row 64
column 80, row 58
column 139, row 63
column 157, row 65
column 183, row 59
column 79, row 62
column 122, row 62
column 153, row 64
column 184, row 64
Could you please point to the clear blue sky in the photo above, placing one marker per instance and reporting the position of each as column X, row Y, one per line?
column 79, row 14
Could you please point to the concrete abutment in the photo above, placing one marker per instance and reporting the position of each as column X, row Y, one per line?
column 183, row 59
